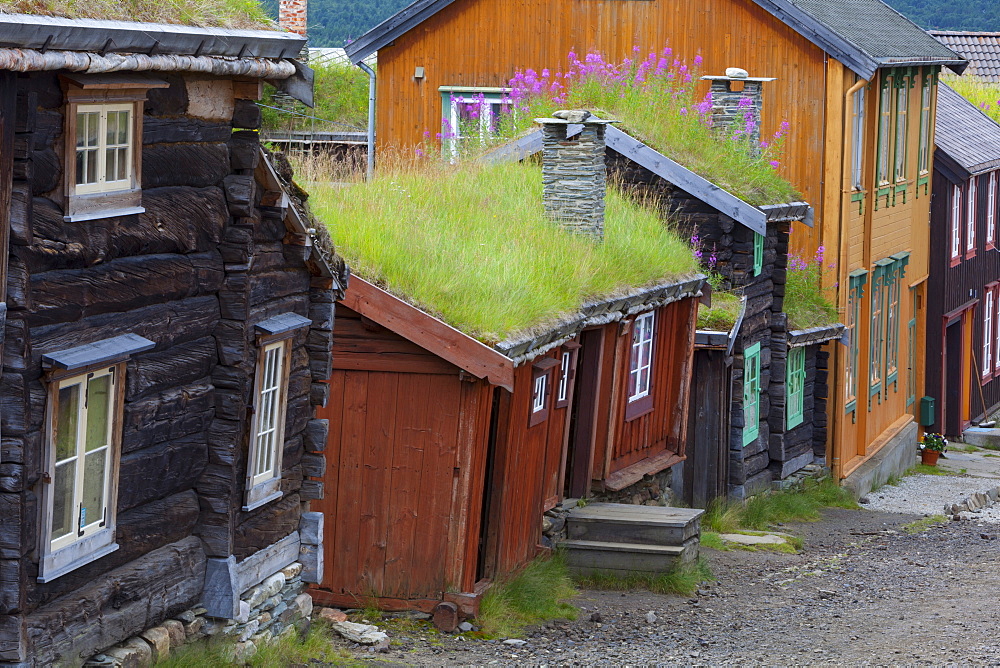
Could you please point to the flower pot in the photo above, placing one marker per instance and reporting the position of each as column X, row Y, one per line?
column 929, row 457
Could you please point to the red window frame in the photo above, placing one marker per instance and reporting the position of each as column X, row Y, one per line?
column 640, row 405
column 541, row 379
column 971, row 218
column 987, row 368
column 956, row 225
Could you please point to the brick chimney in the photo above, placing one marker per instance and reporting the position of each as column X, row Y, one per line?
column 292, row 16
column 729, row 91
column 574, row 176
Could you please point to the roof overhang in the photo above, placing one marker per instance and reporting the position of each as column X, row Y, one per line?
column 861, row 63
column 50, row 33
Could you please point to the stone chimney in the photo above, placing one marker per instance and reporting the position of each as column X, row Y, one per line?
column 574, row 176
column 292, row 16
column 729, row 91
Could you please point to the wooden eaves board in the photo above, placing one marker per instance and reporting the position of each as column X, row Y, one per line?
column 429, row 333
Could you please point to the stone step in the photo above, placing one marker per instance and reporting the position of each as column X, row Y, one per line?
column 643, row 525
column 982, row 437
column 591, row 556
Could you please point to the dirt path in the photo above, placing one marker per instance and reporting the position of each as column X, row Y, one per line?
column 862, row 591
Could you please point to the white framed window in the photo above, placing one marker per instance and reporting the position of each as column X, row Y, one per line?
column 956, row 223
column 104, row 145
column 268, row 426
column 902, row 104
column 996, row 328
column 858, row 139
column 640, row 370
column 924, row 152
column 471, row 115
column 970, row 217
column 988, row 313
column 539, row 393
column 991, row 211
column 564, row 367
column 83, row 429
column 884, row 130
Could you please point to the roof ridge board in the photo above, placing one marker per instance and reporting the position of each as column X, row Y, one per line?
column 399, row 23
column 30, row 31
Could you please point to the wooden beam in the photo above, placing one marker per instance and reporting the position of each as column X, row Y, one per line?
column 429, row 333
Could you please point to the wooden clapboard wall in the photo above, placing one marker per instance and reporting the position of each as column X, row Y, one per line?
column 480, row 43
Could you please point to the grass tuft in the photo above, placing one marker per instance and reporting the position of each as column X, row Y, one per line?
column 316, row 647
column 473, row 246
column 806, row 302
column 724, row 516
column 924, row 469
column 984, row 94
column 341, row 99
column 236, row 14
column 722, row 315
column 682, row 579
column 535, row 595
column 924, row 524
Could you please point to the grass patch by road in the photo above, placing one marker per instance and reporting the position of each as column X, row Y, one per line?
column 761, row 511
column 682, row 579
column 924, row 524
column 923, row 469
column 535, row 595
column 713, row 540
column 316, row 647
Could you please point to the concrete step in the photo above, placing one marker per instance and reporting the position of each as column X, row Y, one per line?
column 642, row 525
column 982, row 437
column 591, row 556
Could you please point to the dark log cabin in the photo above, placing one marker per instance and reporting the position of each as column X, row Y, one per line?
column 963, row 337
column 169, row 319
column 445, row 451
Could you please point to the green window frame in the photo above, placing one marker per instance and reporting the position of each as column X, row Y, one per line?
column 876, row 333
column 900, row 132
column 795, row 386
column 470, row 115
column 856, row 281
column 751, row 394
column 884, row 129
column 911, row 351
column 893, row 284
column 758, row 253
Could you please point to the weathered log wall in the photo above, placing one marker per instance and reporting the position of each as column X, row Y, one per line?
column 194, row 274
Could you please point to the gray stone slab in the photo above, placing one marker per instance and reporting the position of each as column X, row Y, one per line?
column 115, row 349
column 285, row 322
column 220, row 597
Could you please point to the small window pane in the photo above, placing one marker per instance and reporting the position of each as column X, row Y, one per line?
column 98, row 411
column 67, row 422
column 94, row 472
column 62, row 499
column 122, row 172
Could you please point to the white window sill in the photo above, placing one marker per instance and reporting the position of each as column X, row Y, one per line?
column 97, row 215
column 78, row 554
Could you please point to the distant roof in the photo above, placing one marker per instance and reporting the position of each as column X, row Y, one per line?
column 968, row 141
column 862, row 34
column 327, row 55
column 981, row 48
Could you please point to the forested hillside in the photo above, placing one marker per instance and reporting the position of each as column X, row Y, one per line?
column 334, row 22
column 978, row 15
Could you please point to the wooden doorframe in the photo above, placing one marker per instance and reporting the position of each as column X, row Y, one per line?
column 583, row 417
column 960, row 317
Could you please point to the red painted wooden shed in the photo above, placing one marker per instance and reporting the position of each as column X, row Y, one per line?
column 443, row 452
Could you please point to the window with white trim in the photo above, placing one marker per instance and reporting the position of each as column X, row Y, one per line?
column 988, row 308
column 956, row 223
column 857, row 281
column 991, row 210
column 103, row 144
column 902, row 103
column 858, row 139
column 970, row 218
column 470, row 116
column 267, row 432
column 924, row 151
column 884, row 131
column 103, row 147
column 640, row 368
column 996, row 328
column 563, row 393
column 541, row 390
column 84, row 457
column 539, row 393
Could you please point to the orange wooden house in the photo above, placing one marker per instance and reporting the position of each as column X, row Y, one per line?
column 856, row 81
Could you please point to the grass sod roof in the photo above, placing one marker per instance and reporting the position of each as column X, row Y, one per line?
column 233, row 14
column 471, row 245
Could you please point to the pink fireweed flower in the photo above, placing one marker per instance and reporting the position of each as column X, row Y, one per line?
column 697, row 61
column 774, row 164
column 744, row 103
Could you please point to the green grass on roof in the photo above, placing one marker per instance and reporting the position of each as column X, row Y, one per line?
column 655, row 100
column 236, row 14
column 980, row 92
column 471, row 244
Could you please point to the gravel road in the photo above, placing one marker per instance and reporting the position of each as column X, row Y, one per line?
column 863, row 591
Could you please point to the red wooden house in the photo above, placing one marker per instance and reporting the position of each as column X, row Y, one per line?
column 444, row 451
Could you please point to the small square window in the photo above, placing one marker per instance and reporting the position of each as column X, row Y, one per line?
column 541, row 389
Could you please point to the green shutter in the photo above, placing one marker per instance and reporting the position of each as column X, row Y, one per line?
column 758, row 253
column 795, row 386
column 911, row 361
column 858, row 278
column 751, row 393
